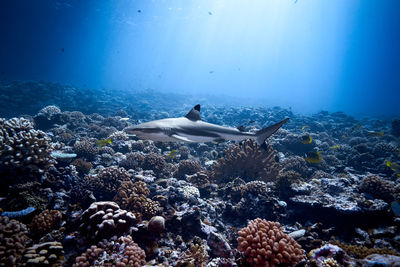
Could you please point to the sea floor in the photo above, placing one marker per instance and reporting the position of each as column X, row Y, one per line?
column 76, row 190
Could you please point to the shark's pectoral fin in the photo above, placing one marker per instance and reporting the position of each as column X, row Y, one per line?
column 181, row 138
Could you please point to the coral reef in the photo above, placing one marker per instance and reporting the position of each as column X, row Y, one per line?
column 246, row 161
column 105, row 219
column 377, row 187
column 105, row 184
column 121, row 252
column 132, row 161
column 24, row 152
column 13, row 240
column 155, row 163
column 82, row 166
column 265, row 244
column 187, row 167
column 133, row 197
column 86, row 149
column 45, row 222
column 44, row 254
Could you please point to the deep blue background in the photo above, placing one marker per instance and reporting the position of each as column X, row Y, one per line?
column 310, row 55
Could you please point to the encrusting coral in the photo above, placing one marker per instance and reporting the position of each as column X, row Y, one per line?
column 247, row 161
column 24, row 151
column 265, row 244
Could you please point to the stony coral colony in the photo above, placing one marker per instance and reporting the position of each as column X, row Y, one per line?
column 66, row 200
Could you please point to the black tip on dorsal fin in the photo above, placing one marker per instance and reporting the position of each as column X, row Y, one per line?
column 194, row 113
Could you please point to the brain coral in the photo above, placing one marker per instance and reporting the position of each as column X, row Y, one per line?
column 24, row 151
column 247, row 161
column 265, row 244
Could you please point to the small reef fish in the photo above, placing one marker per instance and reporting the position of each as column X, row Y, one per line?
column 103, row 142
column 357, row 127
column 18, row 214
column 124, row 119
column 305, row 127
column 306, row 139
column 335, row 147
column 171, row 155
column 394, row 166
column 313, row 157
column 377, row 134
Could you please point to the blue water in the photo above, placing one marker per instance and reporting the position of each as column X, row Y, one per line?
column 310, row 55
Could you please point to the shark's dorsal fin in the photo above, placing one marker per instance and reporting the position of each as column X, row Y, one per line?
column 194, row 113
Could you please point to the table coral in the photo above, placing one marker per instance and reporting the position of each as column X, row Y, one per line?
column 265, row 244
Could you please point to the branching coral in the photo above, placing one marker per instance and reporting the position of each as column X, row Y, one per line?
column 13, row 239
column 360, row 252
column 265, row 244
column 24, row 151
column 187, row 167
column 46, row 221
column 247, row 161
column 133, row 197
column 105, row 184
column 195, row 255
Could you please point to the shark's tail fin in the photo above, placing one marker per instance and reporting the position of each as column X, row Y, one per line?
column 263, row 134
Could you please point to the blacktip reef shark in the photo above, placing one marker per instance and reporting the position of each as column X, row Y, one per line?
column 192, row 129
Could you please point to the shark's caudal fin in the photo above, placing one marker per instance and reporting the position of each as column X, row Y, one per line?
column 263, row 134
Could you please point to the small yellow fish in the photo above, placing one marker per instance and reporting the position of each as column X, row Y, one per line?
column 335, row 147
column 357, row 126
column 171, row 155
column 394, row 166
column 103, row 142
column 313, row 157
column 373, row 133
column 305, row 127
column 306, row 139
